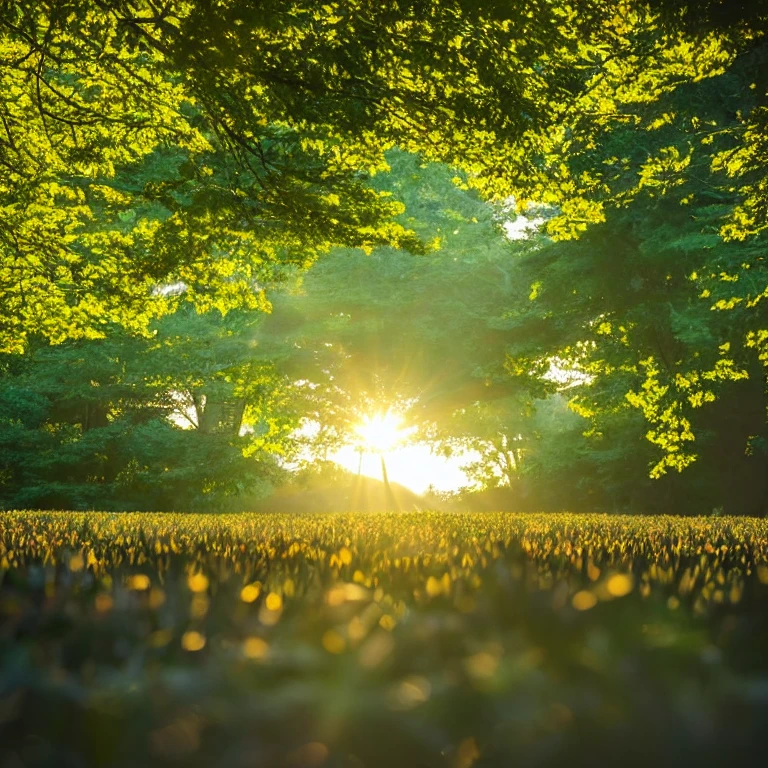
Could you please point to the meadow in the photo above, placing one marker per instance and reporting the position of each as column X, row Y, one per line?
column 423, row 639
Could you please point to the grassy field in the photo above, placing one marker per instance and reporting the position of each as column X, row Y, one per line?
column 381, row 640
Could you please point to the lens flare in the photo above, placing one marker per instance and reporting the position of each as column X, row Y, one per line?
column 381, row 432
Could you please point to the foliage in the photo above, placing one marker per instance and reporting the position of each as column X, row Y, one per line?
column 188, row 419
column 447, row 640
column 416, row 334
column 164, row 158
column 428, row 335
column 659, row 308
column 118, row 175
column 149, row 144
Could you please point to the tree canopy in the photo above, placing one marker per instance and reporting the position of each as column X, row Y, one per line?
column 149, row 144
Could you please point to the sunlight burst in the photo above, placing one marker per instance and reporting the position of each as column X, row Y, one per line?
column 381, row 432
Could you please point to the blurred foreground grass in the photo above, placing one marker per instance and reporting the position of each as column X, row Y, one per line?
column 381, row 640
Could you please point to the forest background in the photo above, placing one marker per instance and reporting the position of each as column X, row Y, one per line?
column 230, row 231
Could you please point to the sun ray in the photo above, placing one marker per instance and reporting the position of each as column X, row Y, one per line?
column 381, row 432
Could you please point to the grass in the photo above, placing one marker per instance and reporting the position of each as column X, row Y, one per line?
column 380, row 640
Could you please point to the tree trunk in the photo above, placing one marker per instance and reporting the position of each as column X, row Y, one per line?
column 94, row 416
column 220, row 416
column 391, row 501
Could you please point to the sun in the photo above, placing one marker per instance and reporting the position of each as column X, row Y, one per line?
column 410, row 464
column 381, row 433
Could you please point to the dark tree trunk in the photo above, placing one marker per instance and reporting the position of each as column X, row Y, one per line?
column 95, row 416
column 220, row 416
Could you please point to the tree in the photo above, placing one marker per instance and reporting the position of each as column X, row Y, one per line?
column 190, row 419
column 661, row 307
column 417, row 334
column 197, row 144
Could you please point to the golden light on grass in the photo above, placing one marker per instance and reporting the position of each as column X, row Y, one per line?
column 250, row 592
column 193, row 641
column 197, row 582
column 343, row 593
column 584, row 600
column 482, row 665
column 333, row 642
column 410, row 692
column 620, row 585
column 387, row 622
column 255, row 648
column 356, row 630
column 376, row 649
column 271, row 609
column 139, row 582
